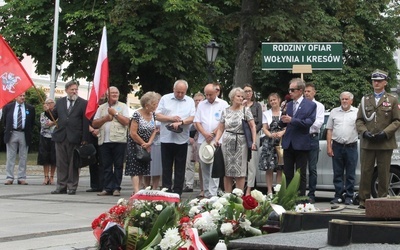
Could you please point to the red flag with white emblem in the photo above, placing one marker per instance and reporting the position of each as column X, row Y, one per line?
column 14, row 79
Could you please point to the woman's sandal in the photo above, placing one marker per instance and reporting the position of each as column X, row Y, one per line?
column 46, row 180
column 51, row 180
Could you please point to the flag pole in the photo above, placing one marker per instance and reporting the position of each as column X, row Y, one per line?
column 54, row 57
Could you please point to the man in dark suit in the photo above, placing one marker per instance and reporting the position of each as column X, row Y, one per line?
column 18, row 118
column 71, row 131
column 300, row 115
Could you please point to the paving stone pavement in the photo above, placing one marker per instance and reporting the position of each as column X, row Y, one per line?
column 33, row 219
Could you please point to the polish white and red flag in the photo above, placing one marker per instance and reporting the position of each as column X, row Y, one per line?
column 13, row 77
column 100, row 81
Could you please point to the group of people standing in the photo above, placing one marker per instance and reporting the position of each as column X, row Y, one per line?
column 175, row 126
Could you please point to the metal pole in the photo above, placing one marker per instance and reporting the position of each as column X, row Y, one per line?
column 54, row 58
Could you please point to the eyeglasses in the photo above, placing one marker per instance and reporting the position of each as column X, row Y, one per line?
column 292, row 90
column 48, row 102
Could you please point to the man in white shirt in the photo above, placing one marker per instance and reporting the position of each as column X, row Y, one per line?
column 176, row 110
column 309, row 93
column 207, row 119
column 341, row 142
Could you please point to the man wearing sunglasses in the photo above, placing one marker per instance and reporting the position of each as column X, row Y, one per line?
column 378, row 118
column 300, row 116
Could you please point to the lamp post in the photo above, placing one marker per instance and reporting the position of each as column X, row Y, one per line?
column 211, row 52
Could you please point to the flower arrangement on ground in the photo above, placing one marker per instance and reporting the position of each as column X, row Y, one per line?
column 153, row 219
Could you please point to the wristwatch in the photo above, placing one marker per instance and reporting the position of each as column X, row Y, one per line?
column 116, row 115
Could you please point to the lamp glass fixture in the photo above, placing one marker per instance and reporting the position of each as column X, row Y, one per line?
column 212, row 51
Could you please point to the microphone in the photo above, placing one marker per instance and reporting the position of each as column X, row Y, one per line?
column 284, row 104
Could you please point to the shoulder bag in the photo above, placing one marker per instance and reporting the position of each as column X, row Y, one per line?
column 139, row 152
column 246, row 130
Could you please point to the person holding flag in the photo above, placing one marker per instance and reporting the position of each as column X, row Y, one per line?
column 19, row 119
column 112, row 119
column 17, row 116
column 97, row 97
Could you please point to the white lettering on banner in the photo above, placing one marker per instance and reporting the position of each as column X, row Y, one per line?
column 319, row 47
column 317, row 59
column 288, row 47
column 281, row 59
column 296, row 59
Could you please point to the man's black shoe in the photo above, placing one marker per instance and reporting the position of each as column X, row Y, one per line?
column 71, row 192
column 92, row 190
column 361, row 207
column 59, row 191
column 187, row 190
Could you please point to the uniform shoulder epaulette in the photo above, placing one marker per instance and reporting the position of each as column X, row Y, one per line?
column 392, row 95
column 368, row 95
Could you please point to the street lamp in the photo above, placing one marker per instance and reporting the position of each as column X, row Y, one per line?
column 211, row 52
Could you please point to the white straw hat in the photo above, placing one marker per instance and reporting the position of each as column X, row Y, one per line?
column 206, row 152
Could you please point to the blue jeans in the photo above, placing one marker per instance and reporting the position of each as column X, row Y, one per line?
column 112, row 159
column 312, row 165
column 344, row 160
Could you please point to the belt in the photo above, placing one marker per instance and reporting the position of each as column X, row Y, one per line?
column 350, row 145
column 314, row 134
column 19, row 130
column 236, row 139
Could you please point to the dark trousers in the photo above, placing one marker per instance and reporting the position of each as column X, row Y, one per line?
column 173, row 155
column 344, row 163
column 293, row 160
column 312, row 165
column 67, row 174
column 112, row 159
column 96, row 171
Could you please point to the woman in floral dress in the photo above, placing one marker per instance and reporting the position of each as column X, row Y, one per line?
column 273, row 135
column 142, row 130
column 234, row 146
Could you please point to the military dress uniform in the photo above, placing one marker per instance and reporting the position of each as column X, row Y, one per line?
column 377, row 114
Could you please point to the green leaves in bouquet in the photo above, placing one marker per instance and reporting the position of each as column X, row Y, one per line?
column 149, row 234
column 210, row 238
column 287, row 197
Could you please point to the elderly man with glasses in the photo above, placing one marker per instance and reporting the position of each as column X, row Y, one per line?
column 300, row 116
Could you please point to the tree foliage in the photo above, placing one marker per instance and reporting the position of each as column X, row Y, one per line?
column 156, row 42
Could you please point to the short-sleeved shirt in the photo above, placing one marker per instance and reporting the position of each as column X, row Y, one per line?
column 343, row 125
column 171, row 106
column 209, row 115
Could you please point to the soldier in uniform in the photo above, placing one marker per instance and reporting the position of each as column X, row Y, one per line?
column 378, row 118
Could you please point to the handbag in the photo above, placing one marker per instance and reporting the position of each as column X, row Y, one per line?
column 246, row 130
column 218, row 168
column 279, row 152
column 141, row 154
column 84, row 155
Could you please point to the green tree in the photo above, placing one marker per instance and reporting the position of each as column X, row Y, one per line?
column 155, row 42
column 150, row 42
column 368, row 30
